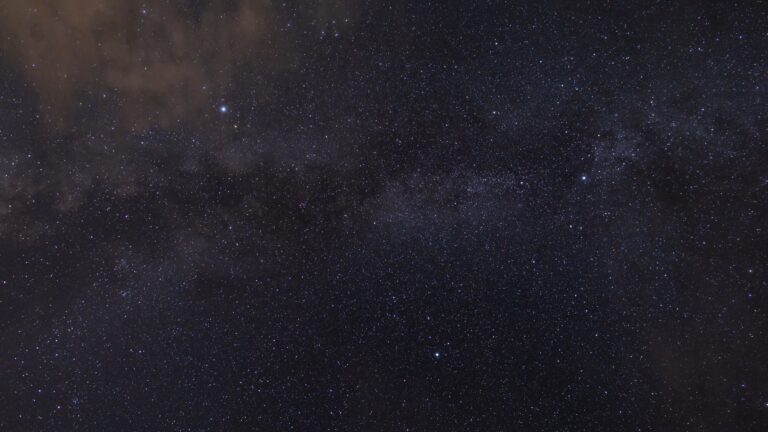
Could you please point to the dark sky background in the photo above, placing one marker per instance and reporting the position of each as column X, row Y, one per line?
column 383, row 216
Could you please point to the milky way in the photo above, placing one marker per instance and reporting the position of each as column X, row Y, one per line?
column 383, row 216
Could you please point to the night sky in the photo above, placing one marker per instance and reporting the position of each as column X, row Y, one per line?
column 342, row 215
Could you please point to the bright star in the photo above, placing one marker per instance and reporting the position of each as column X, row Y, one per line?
column 437, row 355
column 223, row 109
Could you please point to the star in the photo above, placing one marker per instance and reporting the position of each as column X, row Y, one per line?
column 389, row 181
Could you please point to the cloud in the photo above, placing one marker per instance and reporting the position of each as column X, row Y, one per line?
column 162, row 62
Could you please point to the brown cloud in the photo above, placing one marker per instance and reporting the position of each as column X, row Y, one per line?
column 163, row 63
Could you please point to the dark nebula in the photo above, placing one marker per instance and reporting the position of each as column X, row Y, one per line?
column 341, row 215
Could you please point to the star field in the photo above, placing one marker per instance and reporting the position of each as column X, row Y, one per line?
column 336, row 215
